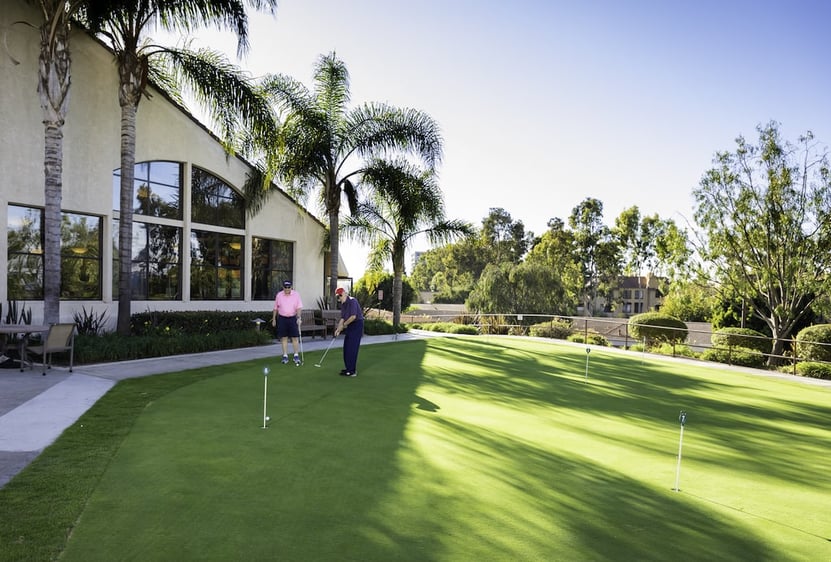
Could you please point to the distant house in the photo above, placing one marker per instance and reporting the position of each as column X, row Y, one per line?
column 637, row 294
column 194, row 247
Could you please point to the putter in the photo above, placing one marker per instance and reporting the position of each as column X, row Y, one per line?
column 325, row 352
column 302, row 357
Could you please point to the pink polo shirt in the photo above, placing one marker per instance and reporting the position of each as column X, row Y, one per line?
column 288, row 305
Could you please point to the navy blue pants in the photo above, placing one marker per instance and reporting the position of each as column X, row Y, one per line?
column 351, row 344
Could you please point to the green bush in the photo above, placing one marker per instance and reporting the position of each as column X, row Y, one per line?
column 169, row 323
column 593, row 338
column 810, row 340
column 676, row 350
column 557, row 329
column 741, row 356
column 450, row 328
column 654, row 326
column 814, row 370
column 741, row 337
column 378, row 327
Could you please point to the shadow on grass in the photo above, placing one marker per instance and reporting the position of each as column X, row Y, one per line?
column 408, row 461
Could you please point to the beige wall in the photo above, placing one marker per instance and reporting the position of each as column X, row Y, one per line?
column 91, row 153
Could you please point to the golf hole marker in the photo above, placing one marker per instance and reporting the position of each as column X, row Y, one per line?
column 682, row 419
column 265, row 398
column 588, row 350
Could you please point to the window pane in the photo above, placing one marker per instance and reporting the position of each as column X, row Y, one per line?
column 166, row 173
column 81, row 253
column 214, row 202
column 156, row 190
column 272, row 263
column 216, row 261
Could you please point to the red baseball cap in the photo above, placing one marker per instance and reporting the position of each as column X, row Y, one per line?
column 339, row 291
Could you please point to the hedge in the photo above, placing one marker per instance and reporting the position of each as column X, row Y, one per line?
column 654, row 326
column 741, row 337
column 809, row 340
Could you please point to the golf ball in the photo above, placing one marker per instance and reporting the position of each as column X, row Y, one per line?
column 268, row 418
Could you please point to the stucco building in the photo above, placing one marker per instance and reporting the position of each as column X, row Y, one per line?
column 194, row 247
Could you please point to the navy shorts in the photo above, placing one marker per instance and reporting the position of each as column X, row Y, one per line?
column 287, row 327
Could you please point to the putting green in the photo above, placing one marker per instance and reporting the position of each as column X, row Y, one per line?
column 466, row 448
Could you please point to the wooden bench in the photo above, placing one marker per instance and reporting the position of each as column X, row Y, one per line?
column 310, row 325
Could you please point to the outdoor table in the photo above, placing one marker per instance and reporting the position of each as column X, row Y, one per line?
column 25, row 330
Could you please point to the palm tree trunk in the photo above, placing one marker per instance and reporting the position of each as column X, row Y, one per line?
column 129, row 96
column 334, row 249
column 53, row 89
column 397, row 286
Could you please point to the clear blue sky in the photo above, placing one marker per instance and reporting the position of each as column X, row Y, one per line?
column 545, row 103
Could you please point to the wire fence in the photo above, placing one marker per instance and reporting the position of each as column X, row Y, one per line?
column 694, row 341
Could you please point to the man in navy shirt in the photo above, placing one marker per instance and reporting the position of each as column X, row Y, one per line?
column 351, row 321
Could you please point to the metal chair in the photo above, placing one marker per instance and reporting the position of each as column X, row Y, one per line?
column 59, row 338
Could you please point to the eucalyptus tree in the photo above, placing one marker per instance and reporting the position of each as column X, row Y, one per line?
column 765, row 214
column 596, row 251
column 557, row 250
column 404, row 202
column 326, row 145
column 231, row 98
column 506, row 237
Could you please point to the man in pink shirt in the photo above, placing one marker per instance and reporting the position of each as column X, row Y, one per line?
column 286, row 318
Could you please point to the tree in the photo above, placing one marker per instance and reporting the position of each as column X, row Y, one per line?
column 404, row 202
column 528, row 288
column 506, row 237
column 555, row 249
column 596, row 250
column 54, row 79
column 231, row 99
column 451, row 271
column 765, row 215
column 325, row 145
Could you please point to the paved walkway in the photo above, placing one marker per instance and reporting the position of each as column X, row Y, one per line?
column 35, row 410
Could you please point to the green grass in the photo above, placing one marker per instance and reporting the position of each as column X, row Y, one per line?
column 444, row 449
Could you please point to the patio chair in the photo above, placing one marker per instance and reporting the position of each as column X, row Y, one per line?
column 59, row 338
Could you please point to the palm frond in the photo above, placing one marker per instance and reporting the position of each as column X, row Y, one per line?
column 233, row 100
column 331, row 86
column 379, row 128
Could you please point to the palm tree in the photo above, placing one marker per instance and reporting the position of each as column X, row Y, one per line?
column 229, row 95
column 405, row 202
column 54, row 73
column 325, row 145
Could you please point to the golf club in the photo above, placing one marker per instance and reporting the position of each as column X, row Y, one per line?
column 325, row 352
column 302, row 357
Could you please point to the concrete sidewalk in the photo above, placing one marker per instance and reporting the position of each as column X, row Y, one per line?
column 36, row 409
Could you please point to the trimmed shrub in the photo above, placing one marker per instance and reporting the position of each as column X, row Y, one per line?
column 654, row 326
column 814, row 370
column 557, row 329
column 740, row 356
column 809, row 343
column 741, row 337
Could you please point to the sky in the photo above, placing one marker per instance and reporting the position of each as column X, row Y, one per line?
column 543, row 104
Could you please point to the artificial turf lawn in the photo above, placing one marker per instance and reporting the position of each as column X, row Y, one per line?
column 464, row 448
